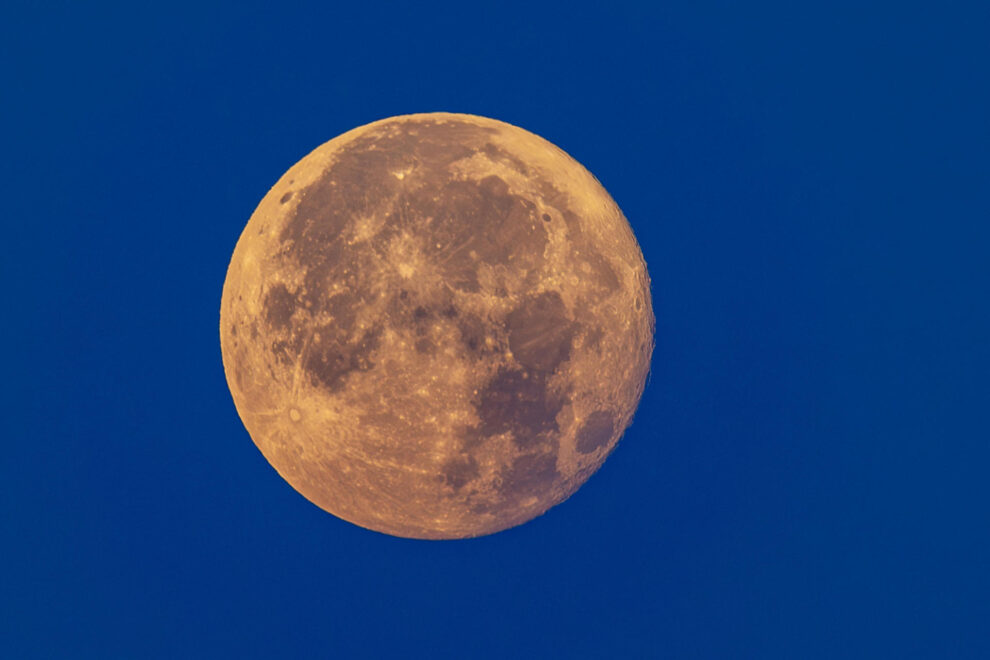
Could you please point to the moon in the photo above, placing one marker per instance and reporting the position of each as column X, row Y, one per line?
column 436, row 326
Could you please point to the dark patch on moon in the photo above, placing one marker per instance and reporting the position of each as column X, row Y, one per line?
column 501, row 228
column 325, row 209
column 279, row 305
column 470, row 437
column 330, row 358
column 498, row 192
column 595, row 432
column 468, row 222
column 519, row 401
column 359, row 183
column 530, row 475
column 592, row 336
column 286, row 197
column 554, row 198
column 572, row 221
column 459, row 471
column 540, row 332
column 499, row 155
column 342, row 308
column 287, row 350
column 599, row 273
column 474, row 333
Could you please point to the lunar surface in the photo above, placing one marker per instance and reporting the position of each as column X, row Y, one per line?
column 436, row 326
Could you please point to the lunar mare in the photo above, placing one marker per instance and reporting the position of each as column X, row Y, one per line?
column 436, row 326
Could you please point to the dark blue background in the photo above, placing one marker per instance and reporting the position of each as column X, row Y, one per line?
column 806, row 476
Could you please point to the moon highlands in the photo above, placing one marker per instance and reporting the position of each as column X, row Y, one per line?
column 436, row 326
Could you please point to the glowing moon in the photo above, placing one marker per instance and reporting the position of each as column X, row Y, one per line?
column 436, row 326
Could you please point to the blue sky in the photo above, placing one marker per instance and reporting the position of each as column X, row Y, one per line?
column 806, row 476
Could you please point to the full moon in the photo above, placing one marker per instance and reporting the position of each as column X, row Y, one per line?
column 436, row 326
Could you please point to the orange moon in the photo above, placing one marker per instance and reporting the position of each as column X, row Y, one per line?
column 436, row 326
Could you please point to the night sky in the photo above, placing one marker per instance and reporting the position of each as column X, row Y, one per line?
column 806, row 476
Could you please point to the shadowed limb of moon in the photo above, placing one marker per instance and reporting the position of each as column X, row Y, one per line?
column 436, row 326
